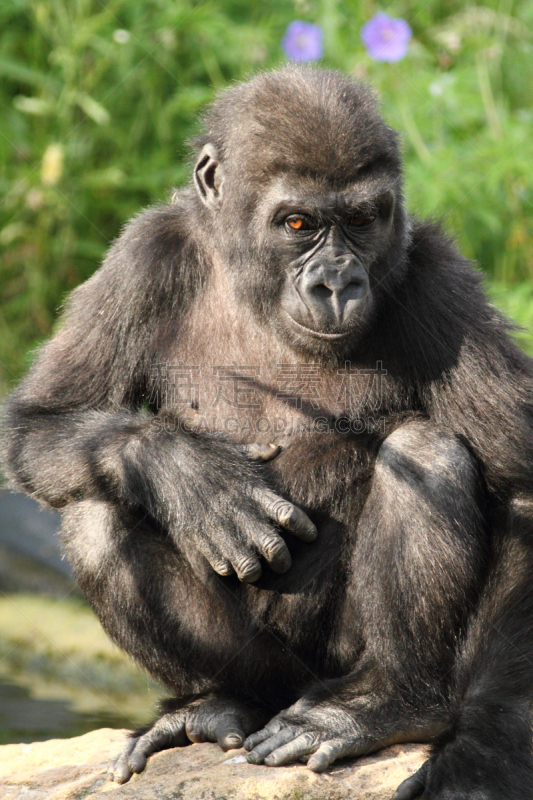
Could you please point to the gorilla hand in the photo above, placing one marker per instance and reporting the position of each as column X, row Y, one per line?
column 208, row 493
column 239, row 527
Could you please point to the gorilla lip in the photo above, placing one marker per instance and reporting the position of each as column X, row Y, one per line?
column 330, row 336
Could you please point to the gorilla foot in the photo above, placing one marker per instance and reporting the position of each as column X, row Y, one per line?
column 464, row 769
column 422, row 786
column 212, row 719
column 316, row 733
column 413, row 786
column 320, row 732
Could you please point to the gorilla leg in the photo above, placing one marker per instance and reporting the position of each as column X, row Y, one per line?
column 416, row 571
column 485, row 752
column 420, row 556
column 165, row 606
column 176, row 617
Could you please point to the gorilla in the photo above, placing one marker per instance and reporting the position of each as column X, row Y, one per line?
column 292, row 443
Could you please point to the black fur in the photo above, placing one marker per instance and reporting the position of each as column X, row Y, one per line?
column 410, row 616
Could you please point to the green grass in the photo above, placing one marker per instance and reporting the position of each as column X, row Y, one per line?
column 517, row 303
column 94, row 125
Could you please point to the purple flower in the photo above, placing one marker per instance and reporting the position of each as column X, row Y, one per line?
column 303, row 41
column 385, row 38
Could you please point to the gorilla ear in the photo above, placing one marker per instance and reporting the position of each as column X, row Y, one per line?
column 208, row 177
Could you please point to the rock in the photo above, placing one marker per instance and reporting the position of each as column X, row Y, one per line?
column 75, row 769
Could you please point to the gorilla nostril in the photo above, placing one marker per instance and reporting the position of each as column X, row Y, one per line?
column 322, row 291
column 354, row 289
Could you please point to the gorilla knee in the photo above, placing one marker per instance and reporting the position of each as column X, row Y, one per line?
column 420, row 454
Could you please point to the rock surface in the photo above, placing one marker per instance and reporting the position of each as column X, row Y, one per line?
column 75, row 769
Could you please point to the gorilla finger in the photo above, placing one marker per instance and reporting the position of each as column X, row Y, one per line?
column 139, row 757
column 224, row 722
column 292, row 750
column 219, row 563
column 287, row 515
column 223, row 567
column 326, row 754
column 122, row 772
column 261, row 751
column 230, row 735
column 195, row 734
column 111, row 767
column 169, row 731
column 275, row 551
column 119, row 770
column 414, row 786
column 248, row 568
column 260, row 736
column 260, row 452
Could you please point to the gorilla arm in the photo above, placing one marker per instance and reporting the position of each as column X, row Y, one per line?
column 76, row 430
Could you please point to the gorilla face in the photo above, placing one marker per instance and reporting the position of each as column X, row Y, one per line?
column 325, row 246
column 310, row 235
column 310, row 257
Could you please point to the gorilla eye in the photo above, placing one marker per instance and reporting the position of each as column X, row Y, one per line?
column 361, row 220
column 296, row 223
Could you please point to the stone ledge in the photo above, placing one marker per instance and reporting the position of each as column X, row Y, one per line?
column 75, row 769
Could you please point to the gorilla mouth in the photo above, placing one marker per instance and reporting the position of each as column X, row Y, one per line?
column 319, row 334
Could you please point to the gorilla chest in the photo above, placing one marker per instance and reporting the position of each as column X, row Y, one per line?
column 311, row 413
column 250, row 402
column 254, row 390
column 229, row 374
column 232, row 378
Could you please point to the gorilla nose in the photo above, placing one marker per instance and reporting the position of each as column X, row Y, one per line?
column 333, row 292
column 341, row 291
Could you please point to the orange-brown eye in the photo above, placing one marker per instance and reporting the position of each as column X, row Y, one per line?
column 301, row 223
column 362, row 220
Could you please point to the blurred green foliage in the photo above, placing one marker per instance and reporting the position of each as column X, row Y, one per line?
column 55, row 650
column 98, row 99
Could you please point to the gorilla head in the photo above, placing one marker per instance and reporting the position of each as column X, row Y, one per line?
column 301, row 185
